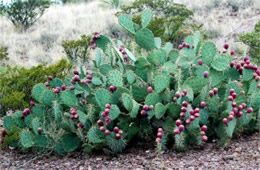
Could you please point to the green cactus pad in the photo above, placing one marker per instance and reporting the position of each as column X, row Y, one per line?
column 245, row 119
column 94, row 135
column 169, row 67
column 141, row 63
column 195, row 83
column 197, row 41
column 216, row 77
column 39, row 111
column 96, row 81
column 105, row 68
column 253, row 87
column 220, row 63
column 190, row 93
column 9, row 122
column 126, row 22
column 115, row 145
column 130, row 55
column 56, row 83
column 70, row 142
column 26, row 139
column 204, row 115
column 160, row 110
column 188, row 53
column 173, row 110
column 153, row 99
column 247, row 74
column 161, row 83
column 68, row 98
column 114, row 112
column 145, row 39
column 181, row 143
column 158, row 42
column 168, row 47
column 103, row 42
column 232, row 85
column 146, row 18
column 139, row 93
column 183, row 62
column 115, row 78
column 57, row 111
column 231, row 127
column 130, row 76
column 38, row 90
column 28, row 120
column 47, row 97
column 157, row 57
column 103, row 97
column 127, row 101
column 208, row 52
column 135, row 109
column 35, row 125
column 213, row 104
column 201, row 69
column 82, row 116
column 173, row 55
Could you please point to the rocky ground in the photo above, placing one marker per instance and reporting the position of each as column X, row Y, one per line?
column 243, row 153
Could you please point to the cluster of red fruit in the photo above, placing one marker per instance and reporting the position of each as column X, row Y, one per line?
column 213, row 92
column 203, row 133
column 226, row 46
column 246, row 64
column 178, row 95
column 95, row 36
column 183, row 45
column 180, row 127
column 159, row 135
column 74, row 116
column 145, row 109
column 105, row 114
column 112, row 89
column 123, row 52
column 25, row 113
column 236, row 111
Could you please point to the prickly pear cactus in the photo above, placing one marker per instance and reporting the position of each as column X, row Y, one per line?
column 188, row 95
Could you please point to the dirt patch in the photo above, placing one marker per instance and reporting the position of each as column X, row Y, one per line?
column 243, row 153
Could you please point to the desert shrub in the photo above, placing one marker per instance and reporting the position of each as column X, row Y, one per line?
column 253, row 41
column 176, row 97
column 74, row 1
column 168, row 17
column 78, row 50
column 3, row 53
column 24, row 13
column 16, row 83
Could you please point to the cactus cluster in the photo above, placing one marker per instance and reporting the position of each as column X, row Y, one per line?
column 187, row 96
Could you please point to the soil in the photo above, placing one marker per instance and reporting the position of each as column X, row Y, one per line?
column 243, row 153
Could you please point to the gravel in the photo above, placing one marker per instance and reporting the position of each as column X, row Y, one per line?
column 243, row 153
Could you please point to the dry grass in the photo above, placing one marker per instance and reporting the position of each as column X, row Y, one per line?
column 42, row 42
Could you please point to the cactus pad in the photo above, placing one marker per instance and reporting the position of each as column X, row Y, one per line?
column 127, row 101
column 103, row 97
column 114, row 112
column 47, row 97
column 56, row 83
column 103, row 42
column 160, row 110
column 68, row 98
column 220, row 63
column 208, row 52
column 161, row 83
column 145, row 39
column 153, row 99
column 126, row 22
column 94, row 135
column 38, row 90
column 135, row 109
column 26, row 139
column 247, row 74
column 146, row 18
column 115, row 78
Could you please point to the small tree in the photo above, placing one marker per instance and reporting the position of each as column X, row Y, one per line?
column 24, row 13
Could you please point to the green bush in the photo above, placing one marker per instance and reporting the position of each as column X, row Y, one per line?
column 168, row 17
column 24, row 13
column 16, row 83
column 78, row 50
column 179, row 98
column 3, row 53
column 253, row 41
